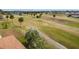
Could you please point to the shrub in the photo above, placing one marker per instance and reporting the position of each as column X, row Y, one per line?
column 33, row 39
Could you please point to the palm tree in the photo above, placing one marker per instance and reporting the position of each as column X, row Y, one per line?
column 21, row 19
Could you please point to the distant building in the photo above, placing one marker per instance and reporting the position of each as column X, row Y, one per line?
column 10, row 42
column 73, row 14
column 1, row 17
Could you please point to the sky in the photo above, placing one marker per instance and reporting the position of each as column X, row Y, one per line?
column 39, row 4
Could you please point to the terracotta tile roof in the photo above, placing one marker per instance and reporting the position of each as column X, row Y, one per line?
column 10, row 42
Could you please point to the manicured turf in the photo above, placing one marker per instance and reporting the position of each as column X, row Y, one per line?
column 65, row 38
column 76, row 25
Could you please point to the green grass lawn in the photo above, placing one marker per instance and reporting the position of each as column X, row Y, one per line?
column 67, row 39
column 76, row 25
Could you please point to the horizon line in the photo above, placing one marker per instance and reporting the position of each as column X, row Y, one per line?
column 40, row 9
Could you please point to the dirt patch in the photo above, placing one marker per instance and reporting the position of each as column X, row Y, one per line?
column 7, row 32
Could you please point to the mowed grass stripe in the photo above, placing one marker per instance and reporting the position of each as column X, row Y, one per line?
column 67, row 39
column 76, row 25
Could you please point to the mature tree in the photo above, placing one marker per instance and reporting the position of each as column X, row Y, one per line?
column 69, row 15
column 34, row 14
column 7, row 17
column 33, row 39
column 54, row 15
column 39, row 16
column 21, row 19
column 12, row 17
